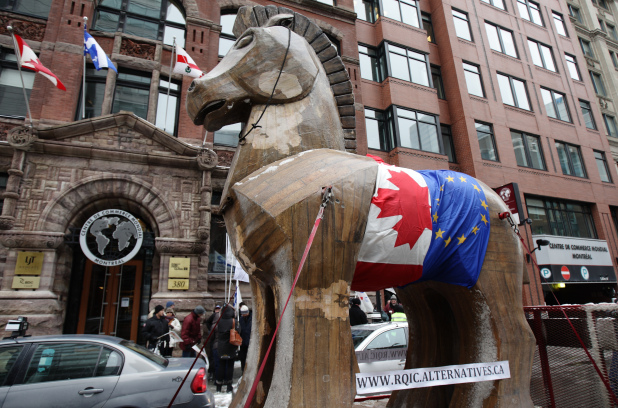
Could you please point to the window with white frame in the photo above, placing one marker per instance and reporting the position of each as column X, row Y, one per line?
column 501, row 39
column 555, row 104
column 513, row 91
column 541, row 55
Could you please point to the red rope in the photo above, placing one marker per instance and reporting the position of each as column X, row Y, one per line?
column 300, row 267
column 596, row 367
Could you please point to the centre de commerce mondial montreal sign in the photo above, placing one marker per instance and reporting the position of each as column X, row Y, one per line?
column 111, row 237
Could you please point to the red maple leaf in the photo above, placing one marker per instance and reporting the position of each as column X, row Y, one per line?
column 411, row 201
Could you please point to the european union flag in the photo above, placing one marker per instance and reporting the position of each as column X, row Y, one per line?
column 460, row 226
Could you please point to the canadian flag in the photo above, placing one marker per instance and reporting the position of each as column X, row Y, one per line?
column 27, row 58
column 185, row 65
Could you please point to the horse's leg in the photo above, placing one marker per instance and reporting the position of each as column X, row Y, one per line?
column 450, row 324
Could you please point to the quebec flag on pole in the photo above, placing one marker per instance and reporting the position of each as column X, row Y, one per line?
column 98, row 56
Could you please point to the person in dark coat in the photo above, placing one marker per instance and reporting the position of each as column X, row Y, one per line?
column 191, row 332
column 211, row 349
column 227, row 351
column 357, row 316
column 245, row 333
column 154, row 328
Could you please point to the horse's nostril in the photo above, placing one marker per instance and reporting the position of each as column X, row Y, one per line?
column 192, row 86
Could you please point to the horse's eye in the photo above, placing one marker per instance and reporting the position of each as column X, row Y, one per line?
column 244, row 41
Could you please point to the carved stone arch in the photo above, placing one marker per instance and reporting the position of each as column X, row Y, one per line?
column 190, row 7
column 329, row 28
column 227, row 5
column 340, row 84
column 91, row 193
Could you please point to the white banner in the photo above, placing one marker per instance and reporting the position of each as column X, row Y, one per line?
column 573, row 251
column 369, row 356
column 430, row 377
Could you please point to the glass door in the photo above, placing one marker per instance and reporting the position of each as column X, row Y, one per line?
column 110, row 300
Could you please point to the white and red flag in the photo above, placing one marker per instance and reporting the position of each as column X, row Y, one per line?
column 26, row 58
column 185, row 65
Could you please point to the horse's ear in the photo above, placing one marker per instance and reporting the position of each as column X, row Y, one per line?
column 281, row 20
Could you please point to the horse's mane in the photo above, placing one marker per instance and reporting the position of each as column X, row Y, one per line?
column 340, row 84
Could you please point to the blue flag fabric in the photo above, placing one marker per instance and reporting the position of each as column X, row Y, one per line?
column 460, row 226
column 98, row 56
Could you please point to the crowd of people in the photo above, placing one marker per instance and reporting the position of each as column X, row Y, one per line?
column 392, row 311
column 163, row 333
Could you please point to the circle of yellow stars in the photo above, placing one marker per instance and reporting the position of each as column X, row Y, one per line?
column 440, row 233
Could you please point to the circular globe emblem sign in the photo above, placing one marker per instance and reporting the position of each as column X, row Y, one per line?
column 111, row 237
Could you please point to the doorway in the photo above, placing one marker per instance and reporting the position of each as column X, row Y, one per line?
column 110, row 299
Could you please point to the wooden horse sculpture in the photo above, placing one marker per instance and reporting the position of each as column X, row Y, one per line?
column 285, row 75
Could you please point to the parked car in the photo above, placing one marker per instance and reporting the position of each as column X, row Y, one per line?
column 69, row 371
column 389, row 337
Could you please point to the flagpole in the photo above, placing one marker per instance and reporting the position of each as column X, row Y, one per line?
column 84, row 76
column 169, row 85
column 23, row 85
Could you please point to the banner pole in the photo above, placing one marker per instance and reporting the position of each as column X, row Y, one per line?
column 23, row 85
column 84, row 75
column 169, row 84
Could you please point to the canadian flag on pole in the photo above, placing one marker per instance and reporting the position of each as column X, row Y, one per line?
column 27, row 58
column 185, row 65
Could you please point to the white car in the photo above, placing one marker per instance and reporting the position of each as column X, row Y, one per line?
column 384, row 346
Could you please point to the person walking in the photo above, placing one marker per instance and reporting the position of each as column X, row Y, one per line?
column 398, row 314
column 357, row 316
column 191, row 332
column 245, row 333
column 154, row 330
column 173, row 325
column 211, row 347
column 227, row 351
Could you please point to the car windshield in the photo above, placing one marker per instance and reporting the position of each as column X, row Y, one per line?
column 162, row 361
column 358, row 335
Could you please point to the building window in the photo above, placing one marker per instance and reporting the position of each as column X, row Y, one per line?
column 428, row 26
column 217, row 251
column 155, row 19
column 586, row 48
column 228, row 135
column 131, row 94
column 495, row 3
column 612, row 55
column 574, row 12
column 417, row 130
column 555, row 104
column 602, row 166
column 39, row 8
column 367, row 10
column 462, row 25
column 610, row 125
column 168, row 108
column 611, row 30
column 597, row 82
column 377, row 131
column 528, row 150
column 95, row 91
column 501, row 40
column 447, row 142
column 226, row 38
column 600, row 3
column 436, row 78
column 487, row 144
column 474, row 83
column 408, row 65
column 573, row 68
column 530, row 11
column 570, row 157
column 587, row 114
column 12, row 102
column 560, row 217
column 541, row 55
column 513, row 91
column 602, row 25
column 406, row 11
column 369, row 63
column 559, row 23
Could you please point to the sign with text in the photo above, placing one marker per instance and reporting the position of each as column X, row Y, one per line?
column 429, row 377
column 26, row 282
column 180, row 267
column 579, row 260
column 29, row 263
column 510, row 195
column 370, row 356
column 178, row 284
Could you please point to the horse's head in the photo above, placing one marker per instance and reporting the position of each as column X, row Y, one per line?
column 248, row 73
